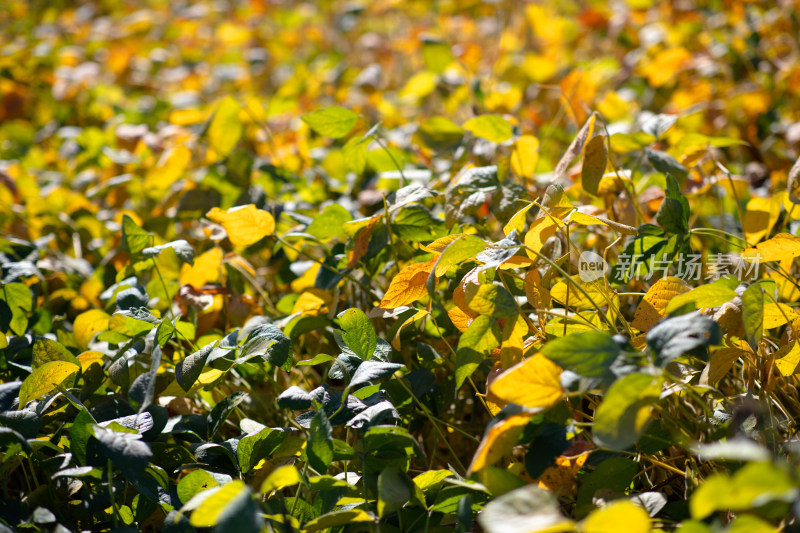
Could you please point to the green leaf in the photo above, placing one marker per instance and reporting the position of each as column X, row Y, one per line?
column 79, row 435
column 359, row 335
column 589, row 354
column 125, row 450
column 625, row 411
column 45, row 379
column 222, row 410
column 493, row 300
column 252, row 448
column 225, row 129
column 320, row 445
column 594, row 164
column 463, row 248
column 16, row 304
column 441, row 134
column 753, row 314
column 493, row 128
column 355, row 154
column 189, row 369
column 165, row 332
column 683, row 334
column 334, row 122
column 317, row 360
column 294, row 398
column 372, row 371
column 614, row 474
column 665, row 163
column 46, row 350
column 183, row 250
column 673, row 214
column 328, row 224
column 271, row 344
column 393, row 490
column 474, row 346
column 194, row 482
column 134, row 238
column 706, row 296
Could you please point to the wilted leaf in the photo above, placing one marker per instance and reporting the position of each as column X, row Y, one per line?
column 594, row 164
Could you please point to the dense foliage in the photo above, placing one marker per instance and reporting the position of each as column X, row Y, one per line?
column 344, row 266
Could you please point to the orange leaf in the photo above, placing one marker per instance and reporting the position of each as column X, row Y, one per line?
column 362, row 242
column 408, row 285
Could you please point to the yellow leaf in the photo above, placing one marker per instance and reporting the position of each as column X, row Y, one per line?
column 459, row 318
column 721, row 361
column 208, row 512
column 408, row 285
column 759, row 217
column 419, row 86
column 654, row 304
column 776, row 314
column 665, row 65
column 438, row 246
column 560, row 477
column 537, row 296
column 534, row 382
column 307, row 280
column 781, row 246
column 541, row 229
column 244, row 224
column 787, row 365
column 87, row 324
column 206, row 269
column 225, row 129
column 90, row 358
column 416, row 316
column 568, row 294
column 525, row 156
column 312, row 302
column 517, row 222
column 45, row 379
column 513, row 339
column 620, row 515
column 169, row 169
column 498, row 441
column 281, row 477
column 589, row 220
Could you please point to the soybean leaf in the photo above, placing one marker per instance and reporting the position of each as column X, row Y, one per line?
column 372, row 371
column 269, row 342
column 333, row 122
column 45, row 379
column 753, row 314
column 189, row 369
column 481, row 337
column 134, row 238
column 626, row 410
column 125, row 450
column 589, row 354
column 320, row 445
column 222, row 410
column 181, row 247
column 359, row 335
column 594, row 164
column 46, row 350
column 294, row 398
column 675, row 336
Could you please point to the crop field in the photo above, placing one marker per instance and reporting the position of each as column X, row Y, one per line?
column 399, row 266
